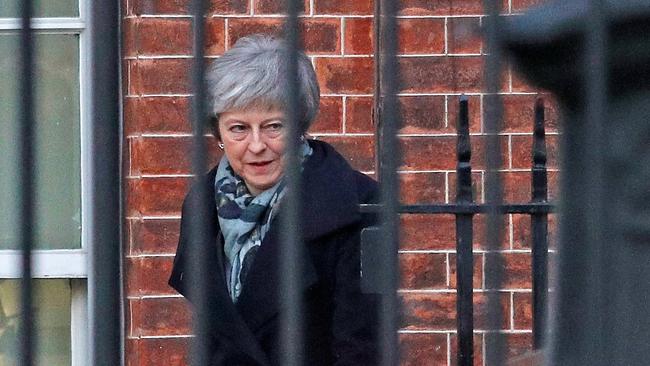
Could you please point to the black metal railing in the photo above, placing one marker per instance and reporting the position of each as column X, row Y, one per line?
column 104, row 279
column 27, row 155
column 465, row 209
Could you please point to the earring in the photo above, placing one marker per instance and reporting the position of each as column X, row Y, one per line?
column 220, row 145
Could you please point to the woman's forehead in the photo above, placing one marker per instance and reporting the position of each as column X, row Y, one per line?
column 252, row 114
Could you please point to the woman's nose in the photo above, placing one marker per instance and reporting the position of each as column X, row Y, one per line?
column 256, row 145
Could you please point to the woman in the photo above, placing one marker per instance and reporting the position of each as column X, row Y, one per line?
column 248, row 103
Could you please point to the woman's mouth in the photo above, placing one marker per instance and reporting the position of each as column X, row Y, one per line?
column 260, row 163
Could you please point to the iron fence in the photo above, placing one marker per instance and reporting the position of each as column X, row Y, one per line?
column 104, row 280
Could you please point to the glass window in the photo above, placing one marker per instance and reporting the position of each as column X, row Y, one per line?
column 58, row 150
column 52, row 304
column 41, row 8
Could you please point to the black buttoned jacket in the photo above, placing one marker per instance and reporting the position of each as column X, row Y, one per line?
column 340, row 322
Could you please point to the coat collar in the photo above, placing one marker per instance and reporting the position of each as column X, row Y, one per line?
column 329, row 203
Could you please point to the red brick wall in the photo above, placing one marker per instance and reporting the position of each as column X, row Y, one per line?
column 441, row 60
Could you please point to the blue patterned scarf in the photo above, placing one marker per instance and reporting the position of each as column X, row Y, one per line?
column 244, row 219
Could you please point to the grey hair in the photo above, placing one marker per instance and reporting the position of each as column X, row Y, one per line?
column 253, row 74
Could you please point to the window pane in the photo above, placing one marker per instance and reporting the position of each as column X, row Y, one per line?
column 58, row 150
column 53, row 321
column 41, row 8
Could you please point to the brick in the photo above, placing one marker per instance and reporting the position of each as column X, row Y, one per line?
column 516, row 344
column 477, row 280
column 215, row 36
column 519, row 6
column 126, row 152
column 423, row 271
column 523, row 310
column 463, row 35
column 148, row 276
column 481, row 230
column 474, row 113
column 159, row 76
column 478, row 349
column 418, row 349
column 229, row 7
column 359, row 115
column 180, row 7
column 516, row 187
column 276, row 7
column 336, row 7
column 441, row 74
column 522, row 234
column 330, row 116
column 477, row 187
column 423, row 114
column 163, row 36
column 516, row 270
column 160, row 7
column 154, row 236
column 429, row 311
column 480, row 149
column 158, row 352
column 440, row 7
column 421, row 36
column 439, row 152
column 358, row 150
column 519, row 114
column 129, row 34
column 129, row 8
column 427, row 232
column 156, row 115
column 481, row 310
column 131, row 350
column 422, row 188
column 358, row 37
column 345, row 75
column 320, row 36
column 156, row 196
column 522, row 156
column 428, row 153
column 159, row 316
column 167, row 155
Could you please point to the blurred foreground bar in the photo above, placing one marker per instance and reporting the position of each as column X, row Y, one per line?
column 595, row 55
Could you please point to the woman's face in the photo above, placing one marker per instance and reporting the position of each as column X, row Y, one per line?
column 254, row 143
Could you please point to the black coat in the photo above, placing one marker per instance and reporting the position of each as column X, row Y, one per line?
column 340, row 322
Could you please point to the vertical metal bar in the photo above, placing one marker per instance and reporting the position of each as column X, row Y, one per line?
column 291, row 317
column 494, row 196
column 464, row 236
column 581, row 330
column 200, row 351
column 389, row 162
column 104, row 277
column 595, row 138
column 27, row 152
column 539, row 227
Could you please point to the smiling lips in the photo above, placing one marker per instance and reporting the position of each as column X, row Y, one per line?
column 260, row 163
column 260, row 166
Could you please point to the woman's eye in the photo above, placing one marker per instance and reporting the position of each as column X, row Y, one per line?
column 277, row 126
column 237, row 128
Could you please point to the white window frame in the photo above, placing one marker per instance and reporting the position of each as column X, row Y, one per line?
column 71, row 264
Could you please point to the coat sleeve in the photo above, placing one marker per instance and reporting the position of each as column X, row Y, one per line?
column 176, row 279
column 356, row 314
